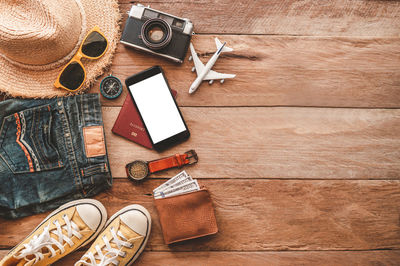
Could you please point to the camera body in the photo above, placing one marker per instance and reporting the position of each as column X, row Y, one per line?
column 157, row 32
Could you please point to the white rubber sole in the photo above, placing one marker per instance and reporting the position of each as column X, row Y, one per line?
column 146, row 213
column 96, row 203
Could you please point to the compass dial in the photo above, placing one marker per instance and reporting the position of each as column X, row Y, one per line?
column 111, row 87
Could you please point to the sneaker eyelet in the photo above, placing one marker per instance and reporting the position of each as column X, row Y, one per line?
column 123, row 255
column 131, row 246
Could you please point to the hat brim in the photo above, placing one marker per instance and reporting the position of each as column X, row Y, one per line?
column 19, row 82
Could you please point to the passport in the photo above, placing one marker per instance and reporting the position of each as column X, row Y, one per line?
column 129, row 124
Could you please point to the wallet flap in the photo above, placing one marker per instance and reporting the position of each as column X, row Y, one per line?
column 186, row 216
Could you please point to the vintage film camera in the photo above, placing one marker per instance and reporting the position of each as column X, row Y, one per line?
column 157, row 33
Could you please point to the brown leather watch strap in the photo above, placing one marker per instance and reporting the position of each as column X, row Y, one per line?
column 177, row 160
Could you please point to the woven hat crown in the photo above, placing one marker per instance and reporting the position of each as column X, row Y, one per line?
column 40, row 32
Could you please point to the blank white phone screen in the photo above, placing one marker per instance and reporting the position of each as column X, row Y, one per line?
column 157, row 107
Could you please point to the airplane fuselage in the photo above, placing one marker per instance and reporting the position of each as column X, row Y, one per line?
column 207, row 69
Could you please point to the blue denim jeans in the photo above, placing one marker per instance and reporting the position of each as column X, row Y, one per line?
column 51, row 151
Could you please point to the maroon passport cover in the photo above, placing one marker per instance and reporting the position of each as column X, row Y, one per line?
column 130, row 126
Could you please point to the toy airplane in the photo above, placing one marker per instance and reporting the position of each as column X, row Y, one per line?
column 205, row 72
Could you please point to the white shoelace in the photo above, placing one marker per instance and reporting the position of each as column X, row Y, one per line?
column 34, row 247
column 111, row 254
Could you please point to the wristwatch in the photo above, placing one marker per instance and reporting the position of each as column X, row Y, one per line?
column 138, row 170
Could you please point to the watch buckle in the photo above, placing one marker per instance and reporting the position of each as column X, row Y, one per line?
column 192, row 157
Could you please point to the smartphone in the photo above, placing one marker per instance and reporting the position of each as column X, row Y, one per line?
column 158, row 110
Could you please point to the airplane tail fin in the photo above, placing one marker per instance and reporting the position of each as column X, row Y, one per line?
column 219, row 45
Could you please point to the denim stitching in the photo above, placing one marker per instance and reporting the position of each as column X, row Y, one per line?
column 82, row 113
column 23, row 131
column 28, row 157
column 40, row 148
column 9, row 163
column 70, row 150
column 46, row 163
column 96, row 169
column 33, row 135
column 77, row 109
column 62, row 123
column 49, row 139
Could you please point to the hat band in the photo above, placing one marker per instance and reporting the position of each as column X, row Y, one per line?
column 63, row 60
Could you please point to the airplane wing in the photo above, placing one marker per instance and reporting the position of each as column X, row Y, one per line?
column 197, row 63
column 212, row 75
column 219, row 45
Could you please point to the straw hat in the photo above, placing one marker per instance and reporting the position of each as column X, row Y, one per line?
column 38, row 37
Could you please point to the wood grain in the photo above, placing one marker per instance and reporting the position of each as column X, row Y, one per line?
column 282, row 71
column 260, row 215
column 299, row 143
column 272, row 170
column 288, row 17
column 331, row 258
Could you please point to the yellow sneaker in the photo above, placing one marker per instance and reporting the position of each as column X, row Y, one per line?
column 71, row 226
column 123, row 239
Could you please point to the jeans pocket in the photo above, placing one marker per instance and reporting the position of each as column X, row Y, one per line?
column 26, row 142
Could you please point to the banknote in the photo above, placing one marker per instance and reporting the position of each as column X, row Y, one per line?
column 179, row 177
column 182, row 189
column 174, row 185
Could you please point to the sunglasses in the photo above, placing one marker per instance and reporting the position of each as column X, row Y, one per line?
column 73, row 75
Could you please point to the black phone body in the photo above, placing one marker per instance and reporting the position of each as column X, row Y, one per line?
column 157, row 107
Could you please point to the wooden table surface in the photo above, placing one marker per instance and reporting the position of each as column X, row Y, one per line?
column 301, row 151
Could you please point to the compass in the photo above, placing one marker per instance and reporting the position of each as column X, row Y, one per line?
column 111, row 87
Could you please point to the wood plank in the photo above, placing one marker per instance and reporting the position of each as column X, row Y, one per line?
column 260, row 215
column 277, row 143
column 317, row 18
column 282, row 71
column 379, row 257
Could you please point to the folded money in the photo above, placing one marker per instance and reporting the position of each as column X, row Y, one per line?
column 174, row 185
column 182, row 189
column 180, row 184
column 179, row 177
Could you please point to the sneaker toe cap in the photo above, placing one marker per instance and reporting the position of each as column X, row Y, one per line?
column 137, row 221
column 90, row 215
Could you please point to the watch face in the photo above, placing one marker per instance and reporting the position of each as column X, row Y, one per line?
column 111, row 87
column 138, row 170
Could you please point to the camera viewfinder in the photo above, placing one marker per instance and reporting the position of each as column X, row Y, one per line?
column 178, row 23
column 150, row 13
column 168, row 19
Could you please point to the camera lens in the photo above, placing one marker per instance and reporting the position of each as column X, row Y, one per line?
column 156, row 33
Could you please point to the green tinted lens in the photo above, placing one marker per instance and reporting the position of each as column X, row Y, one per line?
column 95, row 44
column 73, row 76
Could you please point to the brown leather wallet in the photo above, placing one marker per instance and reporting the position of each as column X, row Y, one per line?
column 186, row 216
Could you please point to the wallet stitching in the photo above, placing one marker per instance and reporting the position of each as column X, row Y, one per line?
column 196, row 236
column 193, row 237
